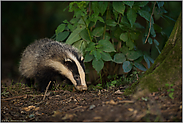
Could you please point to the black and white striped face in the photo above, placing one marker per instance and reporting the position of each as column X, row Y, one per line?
column 73, row 68
column 76, row 66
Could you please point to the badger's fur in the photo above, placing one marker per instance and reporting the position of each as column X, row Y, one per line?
column 45, row 58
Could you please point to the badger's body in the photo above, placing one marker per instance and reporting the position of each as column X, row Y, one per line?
column 45, row 58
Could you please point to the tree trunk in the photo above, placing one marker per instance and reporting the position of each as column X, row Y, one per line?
column 167, row 68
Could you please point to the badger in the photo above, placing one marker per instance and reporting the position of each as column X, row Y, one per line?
column 42, row 60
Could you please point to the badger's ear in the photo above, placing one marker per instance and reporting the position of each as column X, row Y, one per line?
column 82, row 59
column 68, row 60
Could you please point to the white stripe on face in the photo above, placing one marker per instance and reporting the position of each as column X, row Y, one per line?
column 80, row 69
column 62, row 69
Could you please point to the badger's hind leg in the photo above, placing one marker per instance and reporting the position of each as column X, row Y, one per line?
column 29, row 82
column 43, row 83
column 44, row 77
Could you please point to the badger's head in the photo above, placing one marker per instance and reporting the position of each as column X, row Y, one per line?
column 71, row 66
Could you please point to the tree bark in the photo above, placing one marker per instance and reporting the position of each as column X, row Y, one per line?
column 167, row 68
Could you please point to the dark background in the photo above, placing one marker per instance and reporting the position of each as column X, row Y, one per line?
column 24, row 22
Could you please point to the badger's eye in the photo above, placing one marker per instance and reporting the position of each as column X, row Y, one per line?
column 68, row 63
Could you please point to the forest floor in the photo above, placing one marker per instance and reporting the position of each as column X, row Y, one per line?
column 21, row 103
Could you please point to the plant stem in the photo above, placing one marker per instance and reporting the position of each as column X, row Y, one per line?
column 87, row 29
column 150, row 22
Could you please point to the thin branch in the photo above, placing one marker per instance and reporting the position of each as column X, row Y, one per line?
column 16, row 97
column 150, row 23
column 46, row 90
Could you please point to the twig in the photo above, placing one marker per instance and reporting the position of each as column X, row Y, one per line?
column 150, row 22
column 14, row 97
column 137, row 76
column 46, row 90
column 20, row 97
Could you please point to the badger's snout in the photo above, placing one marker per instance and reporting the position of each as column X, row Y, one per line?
column 81, row 87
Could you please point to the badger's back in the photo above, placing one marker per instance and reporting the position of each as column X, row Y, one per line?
column 37, row 55
column 47, row 54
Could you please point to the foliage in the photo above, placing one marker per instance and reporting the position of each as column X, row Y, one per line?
column 116, row 81
column 109, row 31
column 170, row 90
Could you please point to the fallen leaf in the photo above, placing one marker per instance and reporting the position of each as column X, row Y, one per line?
column 91, row 107
column 118, row 92
column 119, row 98
column 111, row 102
column 97, row 118
column 57, row 113
column 37, row 113
column 130, row 109
column 37, row 108
column 68, row 116
column 28, row 108
column 126, row 101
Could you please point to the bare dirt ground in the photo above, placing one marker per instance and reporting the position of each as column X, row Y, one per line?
column 21, row 103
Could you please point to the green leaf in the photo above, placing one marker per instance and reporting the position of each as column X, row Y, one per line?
column 81, row 45
column 100, row 19
column 106, row 56
column 116, row 32
column 158, row 49
column 107, row 46
column 153, row 33
column 144, row 14
column 74, row 36
column 131, row 15
column 134, row 35
column 111, row 22
column 60, row 28
column 167, row 84
column 172, row 89
column 160, row 3
column 88, row 57
column 115, row 13
column 74, row 20
column 84, row 35
column 141, row 4
column 124, row 23
column 124, row 50
column 98, row 64
column 107, row 36
column 65, row 21
column 95, row 7
column 119, row 7
column 150, row 40
column 147, row 61
column 127, row 66
column 90, row 47
column 124, row 37
column 139, row 66
column 97, row 54
column 129, row 3
column 119, row 58
column 102, row 6
column 62, row 36
column 98, row 31
column 133, row 55
column 137, row 25
column 130, row 44
column 171, row 95
column 150, row 59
